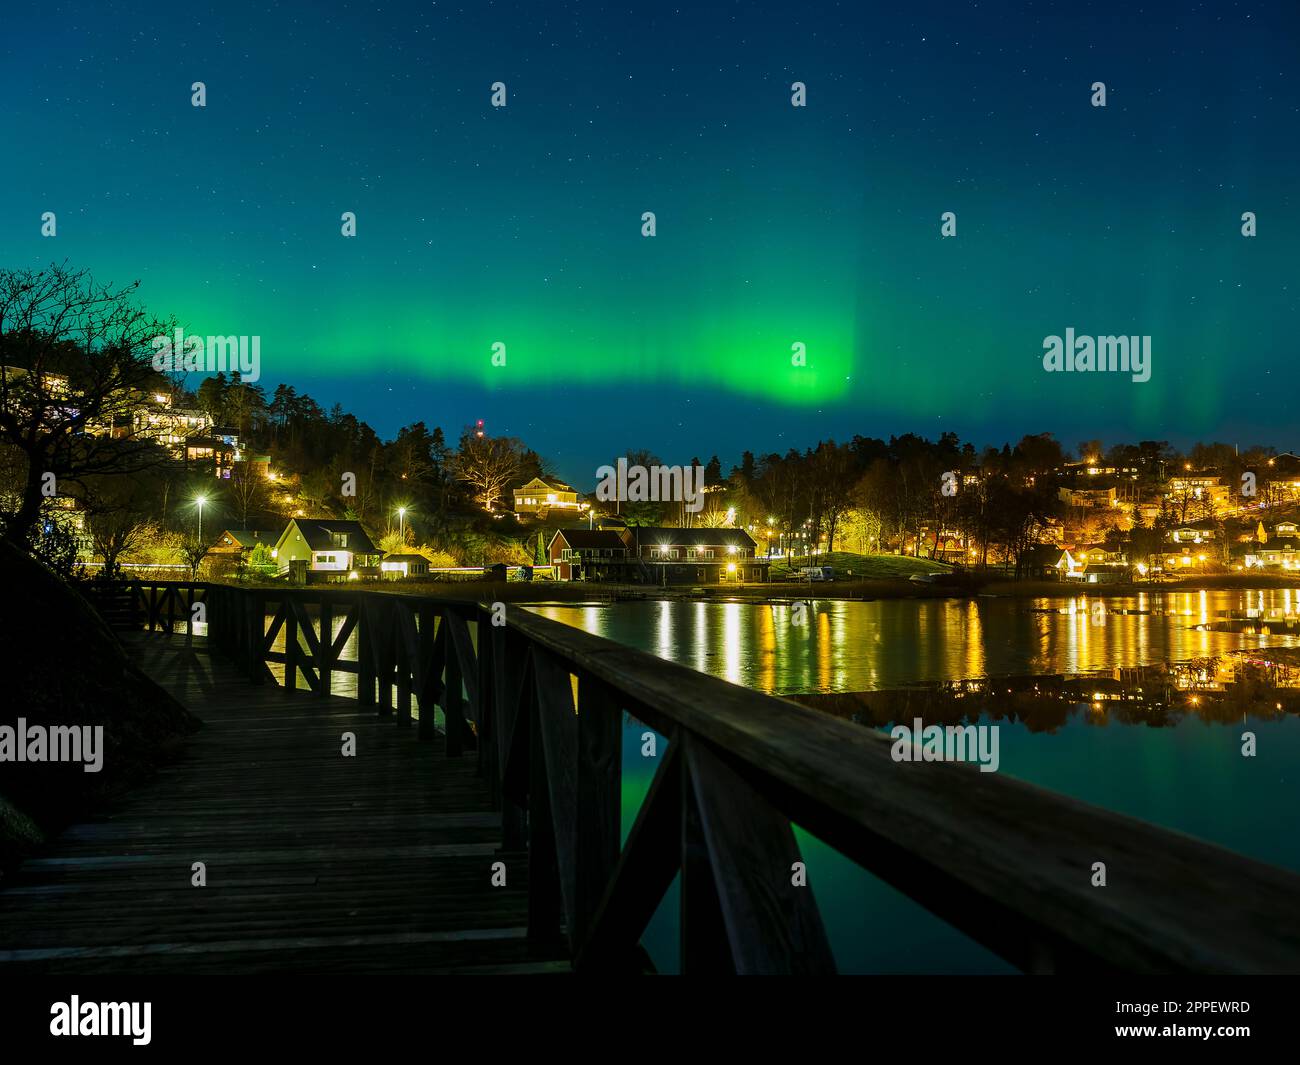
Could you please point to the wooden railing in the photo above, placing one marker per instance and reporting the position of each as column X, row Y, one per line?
column 1007, row 863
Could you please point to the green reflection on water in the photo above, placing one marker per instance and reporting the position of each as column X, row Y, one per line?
column 1188, row 775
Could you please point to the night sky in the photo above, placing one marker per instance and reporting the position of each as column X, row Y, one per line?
column 775, row 224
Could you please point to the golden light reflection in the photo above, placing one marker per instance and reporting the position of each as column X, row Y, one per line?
column 664, row 631
column 766, row 650
column 732, row 644
column 825, row 666
column 973, row 640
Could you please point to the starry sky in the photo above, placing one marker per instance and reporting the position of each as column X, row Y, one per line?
column 775, row 225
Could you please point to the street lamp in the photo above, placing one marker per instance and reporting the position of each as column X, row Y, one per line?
column 401, row 518
column 199, row 501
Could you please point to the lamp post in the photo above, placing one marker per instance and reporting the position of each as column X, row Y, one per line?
column 401, row 518
column 199, row 501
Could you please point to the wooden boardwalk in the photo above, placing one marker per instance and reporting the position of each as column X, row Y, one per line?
column 316, row 863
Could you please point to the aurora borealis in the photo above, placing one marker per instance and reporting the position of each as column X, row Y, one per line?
column 775, row 224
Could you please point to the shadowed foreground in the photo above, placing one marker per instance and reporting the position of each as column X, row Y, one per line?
column 315, row 862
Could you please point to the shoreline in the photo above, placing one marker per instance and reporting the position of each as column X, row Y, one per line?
column 541, row 593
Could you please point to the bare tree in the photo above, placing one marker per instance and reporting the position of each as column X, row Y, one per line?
column 488, row 464
column 74, row 357
column 118, row 509
column 247, row 491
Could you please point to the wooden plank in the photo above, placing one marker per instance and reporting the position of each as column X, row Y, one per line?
column 545, row 894
column 517, row 771
column 453, row 699
column 510, row 683
column 365, row 655
column 407, row 645
column 649, row 862
column 325, row 647
column 486, row 711
column 701, row 928
column 599, row 786
column 556, row 722
column 433, row 652
column 292, row 652
column 749, row 851
column 466, row 662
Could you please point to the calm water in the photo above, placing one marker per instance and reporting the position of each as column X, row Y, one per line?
column 1178, row 770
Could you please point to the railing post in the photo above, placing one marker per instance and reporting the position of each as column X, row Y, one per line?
column 599, row 801
column 365, row 656
column 702, row 931
column 508, row 661
column 253, row 622
column 384, row 642
column 431, row 643
column 326, row 644
column 453, row 701
column 544, row 901
column 487, row 696
column 403, row 655
column 290, row 645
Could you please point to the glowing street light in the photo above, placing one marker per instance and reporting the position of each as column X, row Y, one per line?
column 401, row 518
column 198, row 502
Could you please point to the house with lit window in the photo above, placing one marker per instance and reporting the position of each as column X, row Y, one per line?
column 155, row 417
column 236, row 543
column 403, row 564
column 696, row 556
column 1195, row 532
column 1091, row 564
column 1204, row 487
column 325, row 549
column 587, row 554
column 655, row 555
column 538, row 498
column 212, row 454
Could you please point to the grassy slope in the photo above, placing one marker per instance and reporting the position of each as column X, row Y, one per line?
column 864, row 567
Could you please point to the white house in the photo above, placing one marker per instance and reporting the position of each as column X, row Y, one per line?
column 326, row 546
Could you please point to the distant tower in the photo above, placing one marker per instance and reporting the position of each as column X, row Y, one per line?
column 478, row 427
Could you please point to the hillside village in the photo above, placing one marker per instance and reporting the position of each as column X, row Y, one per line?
column 237, row 484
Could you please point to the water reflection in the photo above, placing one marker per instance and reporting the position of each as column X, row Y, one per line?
column 1225, row 689
column 869, row 646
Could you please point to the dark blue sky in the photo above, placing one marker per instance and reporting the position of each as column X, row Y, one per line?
column 818, row 225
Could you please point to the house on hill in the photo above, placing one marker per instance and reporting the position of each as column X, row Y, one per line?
column 325, row 549
column 235, row 543
column 539, row 498
column 1203, row 531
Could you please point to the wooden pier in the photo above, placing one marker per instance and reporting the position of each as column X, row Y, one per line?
column 314, row 862
column 317, row 862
